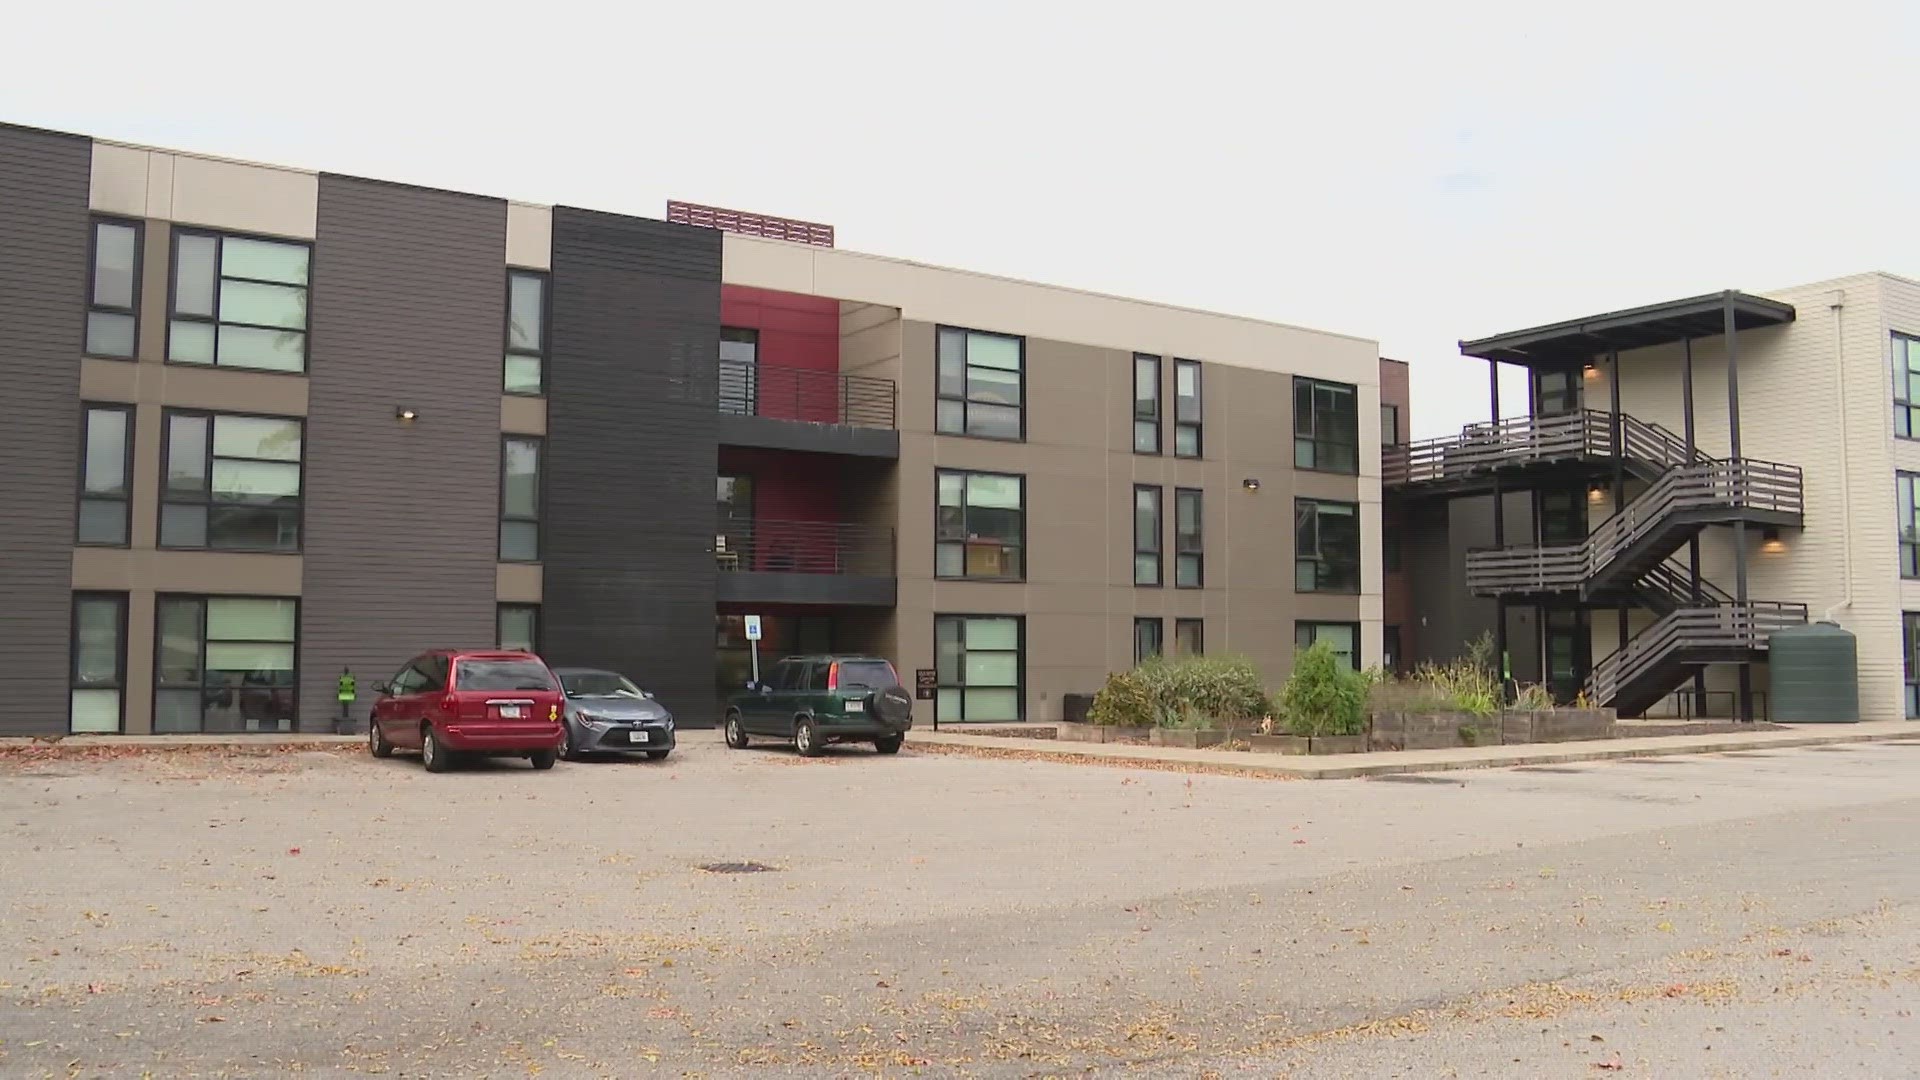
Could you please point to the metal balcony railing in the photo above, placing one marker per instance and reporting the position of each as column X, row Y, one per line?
column 820, row 397
column 805, row 547
column 1721, row 628
column 1527, row 440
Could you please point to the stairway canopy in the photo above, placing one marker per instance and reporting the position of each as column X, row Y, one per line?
column 1578, row 340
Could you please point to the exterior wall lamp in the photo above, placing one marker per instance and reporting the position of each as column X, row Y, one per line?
column 404, row 414
column 1251, row 483
column 1590, row 371
column 1770, row 542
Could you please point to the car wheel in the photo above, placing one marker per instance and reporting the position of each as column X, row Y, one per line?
column 543, row 759
column 377, row 743
column 658, row 755
column 805, row 739
column 435, row 757
column 889, row 744
column 736, row 735
column 567, row 751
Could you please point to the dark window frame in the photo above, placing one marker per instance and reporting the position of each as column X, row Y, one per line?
column 938, row 539
column 1312, row 628
column 1318, row 557
column 500, row 611
column 1198, row 628
column 81, row 498
column 1157, row 632
column 1906, row 373
column 121, row 600
column 1019, row 663
column 1150, row 419
column 167, row 416
column 1389, row 424
column 160, row 601
column 1192, row 547
column 220, row 236
column 965, row 398
column 1566, row 400
column 1910, row 661
column 1907, row 505
column 139, row 227
column 539, row 501
column 1181, row 422
column 545, row 351
column 1158, row 550
column 1390, row 657
column 1306, row 430
column 742, row 399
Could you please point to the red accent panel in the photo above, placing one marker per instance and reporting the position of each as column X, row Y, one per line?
column 799, row 353
column 787, row 487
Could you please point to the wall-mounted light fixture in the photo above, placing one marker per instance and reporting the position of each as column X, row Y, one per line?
column 1770, row 541
column 1251, row 483
column 401, row 412
column 1590, row 371
column 1596, row 493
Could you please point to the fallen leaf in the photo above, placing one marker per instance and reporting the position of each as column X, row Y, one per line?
column 293, row 851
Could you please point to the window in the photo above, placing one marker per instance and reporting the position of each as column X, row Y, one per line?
column 238, row 302
column 1563, row 516
column 1906, row 386
column 980, row 530
column 982, row 384
column 99, row 670
column 106, row 464
column 1908, row 488
column 1556, row 393
column 1146, row 640
column 1342, row 637
column 232, row 483
column 517, row 626
column 1910, row 649
column 1390, row 649
column 526, row 368
column 472, row 673
column 1189, row 637
column 1186, row 408
column 520, row 500
column 1189, row 552
column 1326, row 546
column 739, row 373
column 1146, row 404
column 979, row 661
column 1326, row 426
column 1389, row 425
column 225, row 663
column 113, row 295
column 1146, row 535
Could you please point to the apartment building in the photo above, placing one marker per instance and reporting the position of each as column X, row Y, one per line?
column 269, row 425
column 1688, row 478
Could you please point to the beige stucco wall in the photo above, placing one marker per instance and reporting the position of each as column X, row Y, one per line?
column 194, row 189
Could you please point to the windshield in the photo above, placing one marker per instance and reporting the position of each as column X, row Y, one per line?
column 502, row 675
column 599, row 684
column 871, row 674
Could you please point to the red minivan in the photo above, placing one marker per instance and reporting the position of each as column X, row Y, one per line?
column 450, row 702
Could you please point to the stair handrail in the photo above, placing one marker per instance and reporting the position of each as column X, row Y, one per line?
column 1747, row 626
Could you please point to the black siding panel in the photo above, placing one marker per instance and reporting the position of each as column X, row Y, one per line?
column 632, row 452
column 44, row 182
column 409, row 289
column 771, row 434
column 774, row 587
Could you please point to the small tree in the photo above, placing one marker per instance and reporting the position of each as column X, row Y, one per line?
column 1324, row 696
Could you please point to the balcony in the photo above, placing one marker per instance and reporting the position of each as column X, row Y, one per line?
column 786, row 408
column 805, row 562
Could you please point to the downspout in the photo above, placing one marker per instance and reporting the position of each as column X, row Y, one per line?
column 1836, row 303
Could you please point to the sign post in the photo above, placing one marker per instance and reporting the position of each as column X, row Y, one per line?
column 753, row 639
column 348, row 690
column 926, row 681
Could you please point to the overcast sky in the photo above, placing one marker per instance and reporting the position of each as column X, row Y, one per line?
column 1415, row 174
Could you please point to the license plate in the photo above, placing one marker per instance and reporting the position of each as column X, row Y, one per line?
column 857, row 706
column 638, row 736
column 511, row 712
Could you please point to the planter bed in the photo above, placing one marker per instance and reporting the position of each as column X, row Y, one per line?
column 1559, row 725
column 1337, row 744
column 1101, row 733
column 1432, row 731
column 1277, row 744
column 1189, row 738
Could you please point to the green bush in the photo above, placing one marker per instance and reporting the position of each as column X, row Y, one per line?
column 1324, row 696
column 1193, row 692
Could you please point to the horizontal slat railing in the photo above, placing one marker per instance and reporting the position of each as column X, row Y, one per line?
column 805, row 547
column 1722, row 626
column 821, row 397
column 1526, row 440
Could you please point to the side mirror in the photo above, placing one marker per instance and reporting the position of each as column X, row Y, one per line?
column 751, row 685
column 382, row 689
column 765, row 689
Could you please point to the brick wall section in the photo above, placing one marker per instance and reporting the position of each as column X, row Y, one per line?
column 408, row 308
column 632, row 416
column 43, row 264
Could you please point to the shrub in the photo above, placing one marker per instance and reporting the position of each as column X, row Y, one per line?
column 1324, row 696
column 1125, row 701
column 1532, row 698
column 1193, row 692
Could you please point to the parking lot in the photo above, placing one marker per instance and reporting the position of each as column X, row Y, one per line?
column 942, row 914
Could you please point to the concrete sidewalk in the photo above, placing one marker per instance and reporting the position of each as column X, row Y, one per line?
column 1346, row 766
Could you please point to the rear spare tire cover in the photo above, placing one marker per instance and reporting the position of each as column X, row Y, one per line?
column 892, row 706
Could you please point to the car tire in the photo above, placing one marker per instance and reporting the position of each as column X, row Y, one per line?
column 567, row 751
column 377, row 743
column 543, row 759
column 805, row 739
column 658, row 755
column 889, row 744
column 736, row 732
column 435, row 757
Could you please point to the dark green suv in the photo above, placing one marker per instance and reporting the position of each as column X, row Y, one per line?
column 816, row 700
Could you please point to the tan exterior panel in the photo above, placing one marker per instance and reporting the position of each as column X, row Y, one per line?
column 183, row 387
column 210, row 192
column 224, row 573
column 518, row 583
column 523, row 415
column 530, row 236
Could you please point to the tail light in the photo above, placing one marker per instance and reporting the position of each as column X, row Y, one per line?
column 450, row 705
column 833, row 676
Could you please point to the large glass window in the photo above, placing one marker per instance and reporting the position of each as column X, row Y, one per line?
column 739, row 370
column 982, row 384
column 97, row 703
column 1906, row 386
column 517, row 626
column 1907, row 488
column 1146, row 404
column 981, row 528
column 113, row 297
column 1563, row 515
column 520, row 500
column 526, row 368
column 1147, row 643
column 1146, row 535
column 1326, row 546
column 1342, row 637
column 1189, row 637
column 232, row 482
column 106, row 467
column 980, row 663
column 1186, row 408
column 1910, row 649
column 1326, row 426
column 238, row 302
column 225, row 663
column 1189, row 546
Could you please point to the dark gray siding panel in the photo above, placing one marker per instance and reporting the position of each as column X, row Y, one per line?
column 771, row 434
column 408, row 309
column 631, row 452
column 44, row 180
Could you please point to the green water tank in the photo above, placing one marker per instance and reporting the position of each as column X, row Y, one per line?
column 1815, row 676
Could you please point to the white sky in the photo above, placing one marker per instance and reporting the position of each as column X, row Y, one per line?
column 1414, row 173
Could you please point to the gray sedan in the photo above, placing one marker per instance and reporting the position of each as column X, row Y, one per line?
column 607, row 713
